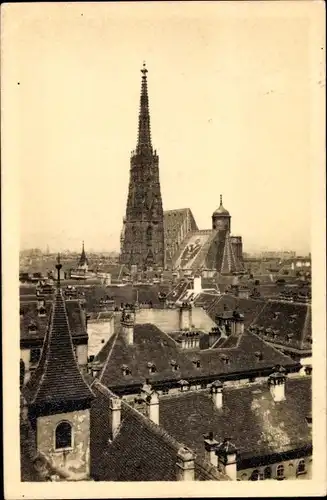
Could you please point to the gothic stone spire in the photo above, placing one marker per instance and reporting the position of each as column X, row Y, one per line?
column 144, row 131
column 142, row 243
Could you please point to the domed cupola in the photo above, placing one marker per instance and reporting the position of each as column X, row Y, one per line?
column 221, row 217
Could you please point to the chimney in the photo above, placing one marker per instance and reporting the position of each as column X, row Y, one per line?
column 115, row 414
column 185, row 465
column 227, row 457
column 127, row 323
column 197, row 284
column 237, row 323
column 152, row 407
column 276, row 383
column 214, row 335
column 210, row 445
column 185, row 316
column 216, row 391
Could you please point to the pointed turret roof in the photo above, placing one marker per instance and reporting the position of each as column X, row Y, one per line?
column 144, row 130
column 221, row 210
column 57, row 378
column 83, row 259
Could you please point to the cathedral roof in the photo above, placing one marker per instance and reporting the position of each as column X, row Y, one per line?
column 221, row 210
column 57, row 378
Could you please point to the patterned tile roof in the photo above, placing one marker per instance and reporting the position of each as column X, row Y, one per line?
column 249, row 307
column 57, row 377
column 153, row 345
column 249, row 417
column 141, row 451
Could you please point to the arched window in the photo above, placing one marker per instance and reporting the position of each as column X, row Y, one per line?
column 301, row 467
column 254, row 476
column 280, row 471
column 267, row 473
column 63, row 436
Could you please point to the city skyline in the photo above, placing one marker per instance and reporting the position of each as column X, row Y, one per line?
column 228, row 116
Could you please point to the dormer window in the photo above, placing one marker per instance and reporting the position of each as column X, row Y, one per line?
column 197, row 363
column 174, row 365
column 184, row 385
column 32, row 328
column 289, row 337
column 42, row 312
column 276, row 315
column 308, row 370
column 126, row 371
column 152, row 367
column 225, row 359
column 259, row 355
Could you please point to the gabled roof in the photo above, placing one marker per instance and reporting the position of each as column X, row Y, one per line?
column 249, row 417
column 57, row 378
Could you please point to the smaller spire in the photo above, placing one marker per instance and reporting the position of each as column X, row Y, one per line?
column 221, row 200
column 58, row 267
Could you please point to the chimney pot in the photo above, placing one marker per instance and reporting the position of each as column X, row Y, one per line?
column 115, row 410
column 185, row 465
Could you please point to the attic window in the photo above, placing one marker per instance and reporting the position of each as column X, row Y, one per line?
column 225, row 359
column 32, row 328
column 184, row 385
column 276, row 315
column 42, row 312
column 152, row 367
column 308, row 370
column 174, row 365
column 259, row 355
column 197, row 363
column 126, row 370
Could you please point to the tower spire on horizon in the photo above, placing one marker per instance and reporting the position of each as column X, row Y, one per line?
column 58, row 267
column 144, row 129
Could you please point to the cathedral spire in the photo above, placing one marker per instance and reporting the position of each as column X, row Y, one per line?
column 144, row 131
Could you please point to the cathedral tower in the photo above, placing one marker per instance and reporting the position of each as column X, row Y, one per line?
column 142, row 238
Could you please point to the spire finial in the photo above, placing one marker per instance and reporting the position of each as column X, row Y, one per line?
column 58, row 267
column 221, row 200
column 144, row 70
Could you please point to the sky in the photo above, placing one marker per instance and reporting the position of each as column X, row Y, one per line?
column 230, row 95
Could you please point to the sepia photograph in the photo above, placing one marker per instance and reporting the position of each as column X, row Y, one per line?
column 164, row 246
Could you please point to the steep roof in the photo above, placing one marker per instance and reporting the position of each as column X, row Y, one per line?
column 249, row 417
column 57, row 377
column 285, row 323
column 153, row 345
column 142, row 450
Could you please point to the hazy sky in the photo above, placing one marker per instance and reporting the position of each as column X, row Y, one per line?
column 229, row 94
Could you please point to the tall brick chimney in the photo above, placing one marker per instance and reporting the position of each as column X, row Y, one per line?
column 152, row 407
